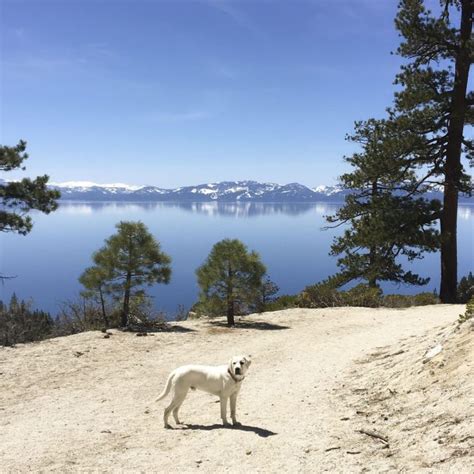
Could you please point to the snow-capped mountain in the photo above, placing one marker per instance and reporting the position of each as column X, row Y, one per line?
column 222, row 191
column 225, row 191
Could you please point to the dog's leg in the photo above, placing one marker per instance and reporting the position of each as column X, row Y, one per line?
column 233, row 404
column 167, row 414
column 224, row 410
column 179, row 402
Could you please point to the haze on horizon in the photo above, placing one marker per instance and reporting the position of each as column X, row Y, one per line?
column 197, row 91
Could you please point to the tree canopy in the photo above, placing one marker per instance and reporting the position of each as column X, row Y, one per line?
column 18, row 198
column 129, row 260
column 386, row 221
column 230, row 279
column 420, row 146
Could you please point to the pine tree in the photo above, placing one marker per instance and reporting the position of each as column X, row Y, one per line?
column 130, row 259
column 434, row 105
column 95, row 281
column 267, row 293
column 466, row 288
column 386, row 220
column 17, row 198
column 230, row 278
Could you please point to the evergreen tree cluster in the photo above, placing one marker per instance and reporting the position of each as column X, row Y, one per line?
column 232, row 280
column 20, row 323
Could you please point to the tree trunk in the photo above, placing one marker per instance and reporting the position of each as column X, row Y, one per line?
column 230, row 296
column 126, row 301
column 372, row 280
column 104, row 314
column 230, row 313
column 452, row 170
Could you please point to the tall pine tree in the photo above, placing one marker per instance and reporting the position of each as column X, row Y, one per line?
column 434, row 104
column 386, row 220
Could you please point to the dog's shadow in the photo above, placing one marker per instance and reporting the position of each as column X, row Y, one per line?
column 262, row 432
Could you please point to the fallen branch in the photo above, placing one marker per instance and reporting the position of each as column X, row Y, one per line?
column 332, row 449
column 374, row 434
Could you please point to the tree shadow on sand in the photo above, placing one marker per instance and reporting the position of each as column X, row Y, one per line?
column 262, row 432
column 159, row 327
column 260, row 325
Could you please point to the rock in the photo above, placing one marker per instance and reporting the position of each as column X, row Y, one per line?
column 434, row 351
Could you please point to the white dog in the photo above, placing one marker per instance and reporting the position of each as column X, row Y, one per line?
column 224, row 381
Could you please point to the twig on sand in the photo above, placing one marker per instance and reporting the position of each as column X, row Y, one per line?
column 374, row 434
column 353, row 452
column 333, row 448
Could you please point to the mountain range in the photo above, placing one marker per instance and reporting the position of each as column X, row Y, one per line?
column 226, row 191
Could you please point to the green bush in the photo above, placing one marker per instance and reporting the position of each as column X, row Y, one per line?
column 362, row 295
column 426, row 298
column 469, row 314
column 405, row 301
column 282, row 302
column 466, row 288
column 19, row 323
column 397, row 301
column 326, row 294
column 321, row 295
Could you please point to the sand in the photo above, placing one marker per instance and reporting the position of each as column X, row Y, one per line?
column 85, row 404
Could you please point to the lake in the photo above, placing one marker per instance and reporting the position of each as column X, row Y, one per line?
column 288, row 236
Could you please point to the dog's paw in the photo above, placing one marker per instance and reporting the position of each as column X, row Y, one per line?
column 168, row 427
column 236, row 423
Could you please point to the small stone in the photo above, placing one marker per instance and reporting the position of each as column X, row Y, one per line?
column 248, row 453
column 199, row 461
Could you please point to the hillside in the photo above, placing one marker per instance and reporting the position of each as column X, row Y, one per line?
column 318, row 378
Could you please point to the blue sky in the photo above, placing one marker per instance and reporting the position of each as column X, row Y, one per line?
column 181, row 92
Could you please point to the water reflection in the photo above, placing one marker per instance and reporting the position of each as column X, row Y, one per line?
column 221, row 209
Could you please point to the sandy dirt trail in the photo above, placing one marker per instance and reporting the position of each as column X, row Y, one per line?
column 85, row 403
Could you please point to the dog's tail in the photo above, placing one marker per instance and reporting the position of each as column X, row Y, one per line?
column 167, row 388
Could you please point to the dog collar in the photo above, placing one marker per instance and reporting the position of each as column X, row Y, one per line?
column 233, row 377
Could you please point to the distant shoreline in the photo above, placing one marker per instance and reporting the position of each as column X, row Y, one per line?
column 467, row 202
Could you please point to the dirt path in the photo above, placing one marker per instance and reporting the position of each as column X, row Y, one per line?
column 86, row 403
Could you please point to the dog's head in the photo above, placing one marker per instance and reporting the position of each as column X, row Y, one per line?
column 239, row 365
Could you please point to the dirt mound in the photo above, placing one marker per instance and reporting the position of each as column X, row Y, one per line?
column 412, row 404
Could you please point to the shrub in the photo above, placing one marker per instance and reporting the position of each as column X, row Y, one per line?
column 396, row 301
column 320, row 295
column 466, row 288
column 405, row 301
column 282, row 302
column 469, row 313
column 426, row 298
column 19, row 323
column 362, row 295
column 326, row 294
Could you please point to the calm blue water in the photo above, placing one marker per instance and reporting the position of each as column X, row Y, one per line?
column 288, row 237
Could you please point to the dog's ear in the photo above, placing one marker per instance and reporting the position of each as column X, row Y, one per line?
column 230, row 363
column 248, row 359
